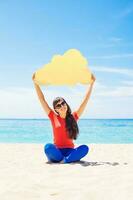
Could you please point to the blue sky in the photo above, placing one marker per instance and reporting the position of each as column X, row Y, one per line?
column 33, row 31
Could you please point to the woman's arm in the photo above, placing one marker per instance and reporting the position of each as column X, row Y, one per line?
column 84, row 103
column 43, row 102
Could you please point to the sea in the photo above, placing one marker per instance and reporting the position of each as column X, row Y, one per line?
column 97, row 131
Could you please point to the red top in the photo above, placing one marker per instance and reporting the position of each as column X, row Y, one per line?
column 61, row 139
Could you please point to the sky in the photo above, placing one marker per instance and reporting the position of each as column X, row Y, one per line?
column 31, row 32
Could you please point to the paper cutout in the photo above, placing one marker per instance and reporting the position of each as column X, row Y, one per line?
column 67, row 69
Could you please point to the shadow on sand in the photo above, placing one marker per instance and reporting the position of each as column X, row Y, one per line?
column 86, row 163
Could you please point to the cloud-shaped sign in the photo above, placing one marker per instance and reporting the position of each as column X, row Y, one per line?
column 67, row 69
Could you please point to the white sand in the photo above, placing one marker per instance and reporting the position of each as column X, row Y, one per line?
column 105, row 174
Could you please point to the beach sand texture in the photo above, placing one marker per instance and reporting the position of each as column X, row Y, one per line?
column 106, row 173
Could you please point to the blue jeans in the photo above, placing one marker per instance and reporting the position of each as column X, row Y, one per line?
column 55, row 154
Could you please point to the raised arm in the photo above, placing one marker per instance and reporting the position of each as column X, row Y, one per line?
column 43, row 102
column 81, row 108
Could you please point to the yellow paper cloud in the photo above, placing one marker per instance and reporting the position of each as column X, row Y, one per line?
column 68, row 69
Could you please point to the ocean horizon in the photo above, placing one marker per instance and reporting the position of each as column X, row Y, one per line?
column 48, row 119
column 38, row 130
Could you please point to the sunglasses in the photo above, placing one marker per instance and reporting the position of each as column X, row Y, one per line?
column 59, row 105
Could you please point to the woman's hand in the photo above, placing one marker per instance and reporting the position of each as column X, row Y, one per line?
column 92, row 78
column 33, row 78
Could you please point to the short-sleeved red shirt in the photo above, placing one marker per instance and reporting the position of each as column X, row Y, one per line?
column 61, row 139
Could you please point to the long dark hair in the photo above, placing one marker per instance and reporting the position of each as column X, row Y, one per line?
column 71, row 124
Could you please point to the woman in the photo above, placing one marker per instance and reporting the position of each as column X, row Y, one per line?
column 65, row 128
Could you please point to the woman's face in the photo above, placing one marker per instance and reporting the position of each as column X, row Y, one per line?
column 61, row 107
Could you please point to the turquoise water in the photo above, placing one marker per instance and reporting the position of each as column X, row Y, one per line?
column 91, row 131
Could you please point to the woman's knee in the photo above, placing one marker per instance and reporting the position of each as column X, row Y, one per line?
column 84, row 148
column 52, row 152
column 48, row 147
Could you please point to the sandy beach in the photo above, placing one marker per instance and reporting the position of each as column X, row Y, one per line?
column 105, row 173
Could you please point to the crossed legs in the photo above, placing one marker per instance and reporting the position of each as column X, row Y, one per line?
column 69, row 155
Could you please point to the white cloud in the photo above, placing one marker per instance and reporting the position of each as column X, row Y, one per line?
column 23, row 102
column 125, row 55
column 121, row 91
column 124, row 71
column 115, row 39
column 101, row 90
column 128, row 82
column 112, row 42
column 105, row 101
